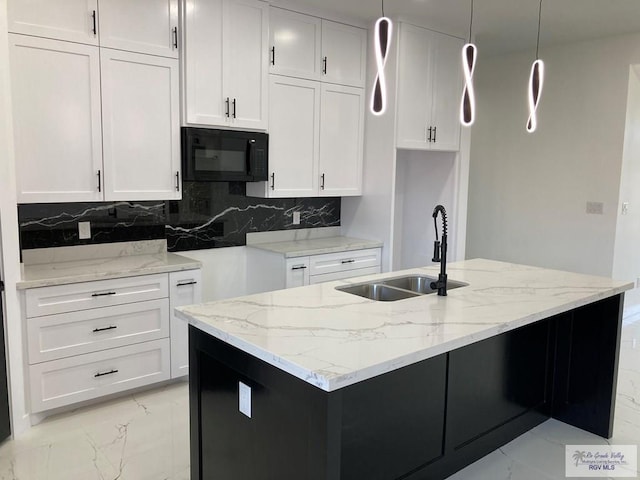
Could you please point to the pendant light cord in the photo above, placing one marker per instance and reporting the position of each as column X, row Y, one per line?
column 383, row 8
column 538, row 41
column 471, row 21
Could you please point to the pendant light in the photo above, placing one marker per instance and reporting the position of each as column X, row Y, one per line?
column 536, row 82
column 382, row 41
column 468, row 103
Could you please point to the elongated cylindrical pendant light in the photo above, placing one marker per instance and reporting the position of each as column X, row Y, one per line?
column 382, row 41
column 468, row 103
column 536, row 82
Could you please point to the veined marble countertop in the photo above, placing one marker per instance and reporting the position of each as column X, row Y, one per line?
column 316, row 246
column 96, row 262
column 332, row 339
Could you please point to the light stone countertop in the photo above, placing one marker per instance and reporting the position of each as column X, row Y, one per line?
column 85, row 270
column 332, row 339
column 316, row 246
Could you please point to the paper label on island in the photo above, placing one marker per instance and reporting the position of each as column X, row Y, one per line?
column 605, row 461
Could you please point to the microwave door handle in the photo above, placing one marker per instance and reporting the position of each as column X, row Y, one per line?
column 251, row 143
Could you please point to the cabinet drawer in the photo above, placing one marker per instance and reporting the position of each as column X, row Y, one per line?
column 69, row 380
column 343, row 261
column 330, row 277
column 102, row 293
column 63, row 335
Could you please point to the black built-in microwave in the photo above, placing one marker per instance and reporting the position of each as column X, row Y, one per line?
column 213, row 155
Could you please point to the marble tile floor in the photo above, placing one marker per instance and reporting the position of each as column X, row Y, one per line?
column 146, row 436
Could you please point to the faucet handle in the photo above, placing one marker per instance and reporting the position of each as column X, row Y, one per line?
column 436, row 251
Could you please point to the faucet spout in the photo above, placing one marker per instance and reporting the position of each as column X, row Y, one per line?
column 440, row 251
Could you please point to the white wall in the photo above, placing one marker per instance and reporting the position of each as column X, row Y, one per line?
column 626, row 258
column 9, row 240
column 528, row 192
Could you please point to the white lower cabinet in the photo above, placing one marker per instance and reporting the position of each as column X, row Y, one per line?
column 186, row 289
column 272, row 271
column 86, row 340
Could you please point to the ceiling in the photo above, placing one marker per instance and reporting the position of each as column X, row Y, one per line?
column 502, row 26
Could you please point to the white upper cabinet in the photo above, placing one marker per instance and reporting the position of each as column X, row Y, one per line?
column 141, row 126
column 344, row 54
column 296, row 44
column 294, row 116
column 71, row 20
column 341, row 140
column 56, row 115
column 429, row 90
column 225, row 63
column 144, row 26
column 308, row 47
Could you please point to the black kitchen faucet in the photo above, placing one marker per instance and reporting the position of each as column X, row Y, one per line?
column 440, row 251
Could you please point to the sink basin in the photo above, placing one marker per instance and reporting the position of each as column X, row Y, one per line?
column 398, row 288
column 377, row 291
column 419, row 284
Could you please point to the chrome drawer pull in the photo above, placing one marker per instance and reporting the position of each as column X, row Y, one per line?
column 112, row 371
column 299, row 267
column 348, row 261
column 102, row 294
column 184, row 284
column 104, row 329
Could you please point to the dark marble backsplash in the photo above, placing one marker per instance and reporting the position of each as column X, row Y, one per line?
column 210, row 215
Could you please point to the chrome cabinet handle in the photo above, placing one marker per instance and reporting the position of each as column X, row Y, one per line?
column 299, row 267
column 104, row 294
column 102, row 374
column 104, row 329
column 184, row 284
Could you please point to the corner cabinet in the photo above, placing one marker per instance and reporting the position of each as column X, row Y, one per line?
column 225, row 63
column 429, row 90
column 316, row 135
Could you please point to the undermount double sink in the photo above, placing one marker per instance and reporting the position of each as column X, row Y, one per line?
column 397, row 288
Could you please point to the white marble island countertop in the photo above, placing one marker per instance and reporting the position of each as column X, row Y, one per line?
column 332, row 339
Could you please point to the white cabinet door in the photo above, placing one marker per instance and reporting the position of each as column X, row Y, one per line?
column 414, row 87
column 143, row 26
column 72, row 20
column 141, row 127
column 297, row 272
column 344, row 54
column 186, row 289
column 294, row 116
column 204, row 101
column 447, row 92
column 56, row 114
column 245, row 62
column 341, row 140
column 295, row 42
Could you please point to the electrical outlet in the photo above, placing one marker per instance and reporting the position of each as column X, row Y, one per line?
column 595, row 208
column 625, row 208
column 84, row 230
column 244, row 399
column 296, row 218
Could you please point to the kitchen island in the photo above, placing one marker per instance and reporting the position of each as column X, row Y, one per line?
column 316, row 383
